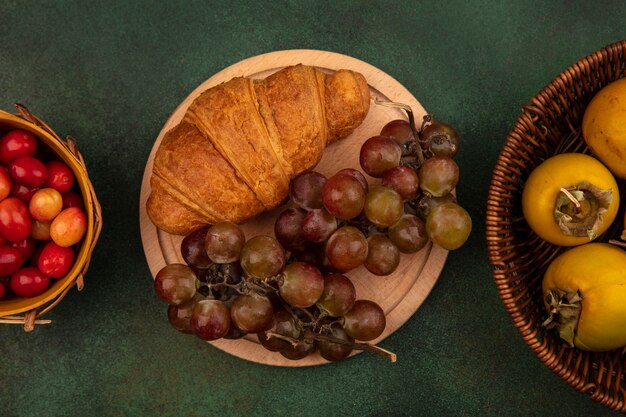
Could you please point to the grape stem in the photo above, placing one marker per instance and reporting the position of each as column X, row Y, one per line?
column 409, row 112
column 323, row 338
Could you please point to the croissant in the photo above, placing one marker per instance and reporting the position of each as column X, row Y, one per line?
column 239, row 144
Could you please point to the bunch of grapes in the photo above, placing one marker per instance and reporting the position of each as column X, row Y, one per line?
column 232, row 287
column 290, row 290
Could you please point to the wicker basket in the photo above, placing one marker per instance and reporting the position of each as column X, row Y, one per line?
column 550, row 124
column 28, row 311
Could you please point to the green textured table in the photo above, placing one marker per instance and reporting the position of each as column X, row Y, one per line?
column 110, row 73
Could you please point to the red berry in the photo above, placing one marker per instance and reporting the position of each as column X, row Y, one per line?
column 45, row 205
column 5, row 184
column 17, row 143
column 29, row 282
column 60, row 176
column 55, row 261
column 23, row 193
column 2, row 290
column 26, row 247
column 71, row 199
column 28, row 171
column 69, row 227
column 15, row 220
column 10, row 260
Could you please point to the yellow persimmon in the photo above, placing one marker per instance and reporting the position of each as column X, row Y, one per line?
column 570, row 199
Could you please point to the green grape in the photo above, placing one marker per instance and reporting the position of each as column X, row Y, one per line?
column 449, row 225
column 383, row 206
column 262, row 257
column 403, row 180
column 438, row 175
column 175, row 284
column 383, row 257
column 365, row 320
column 408, row 234
column 223, row 242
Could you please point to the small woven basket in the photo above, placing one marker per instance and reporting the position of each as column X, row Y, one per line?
column 28, row 311
column 549, row 125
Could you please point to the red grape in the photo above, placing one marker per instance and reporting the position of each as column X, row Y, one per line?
column 224, row 242
column 346, row 248
column 301, row 284
column 301, row 350
column 180, row 316
column 305, row 190
column 440, row 139
column 408, row 234
column 383, row 257
column 288, row 230
column 365, row 320
column 338, row 296
column 332, row 351
column 379, row 154
column 357, row 175
column 193, row 251
column 175, row 284
column 399, row 130
column 252, row 313
column 318, row 225
column 343, row 196
column 283, row 324
column 210, row 319
column 403, row 180
column 262, row 257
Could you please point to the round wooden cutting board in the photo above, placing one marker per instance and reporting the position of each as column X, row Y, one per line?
column 399, row 294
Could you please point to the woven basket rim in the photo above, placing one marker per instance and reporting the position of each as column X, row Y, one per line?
column 67, row 151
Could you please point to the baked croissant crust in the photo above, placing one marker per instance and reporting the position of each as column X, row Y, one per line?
column 239, row 144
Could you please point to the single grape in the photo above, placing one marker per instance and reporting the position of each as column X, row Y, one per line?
column 175, row 284
column 379, row 154
column 332, row 351
column 252, row 313
column 301, row 284
column 288, row 229
column 262, row 257
column 357, row 175
column 365, row 320
column 440, row 139
column 305, row 190
column 179, row 316
column 383, row 206
column 301, row 350
column 224, row 242
column 439, row 175
column 283, row 324
column 346, row 248
column 408, row 234
column 210, row 319
column 343, row 196
column 426, row 203
column 399, row 130
column 403, row 180
column 338, row 296
column 318, row 225
column 383, row 257
column 193, row 251
column 448, row 225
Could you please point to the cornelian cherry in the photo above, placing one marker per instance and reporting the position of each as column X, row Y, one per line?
column 5, row 184
column 17, row 143
column 28, row 171
column 45, row 204
column 60, row 176
column 10, row 260
column 71, row 199
column 26, row 247
column 22, row 192
column 55, row 261
column 68, row 227
column 29, row 282
column 15, row 220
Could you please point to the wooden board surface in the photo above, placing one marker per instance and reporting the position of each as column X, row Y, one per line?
column 399, row 294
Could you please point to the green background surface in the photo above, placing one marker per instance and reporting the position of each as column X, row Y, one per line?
column 110, row 73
